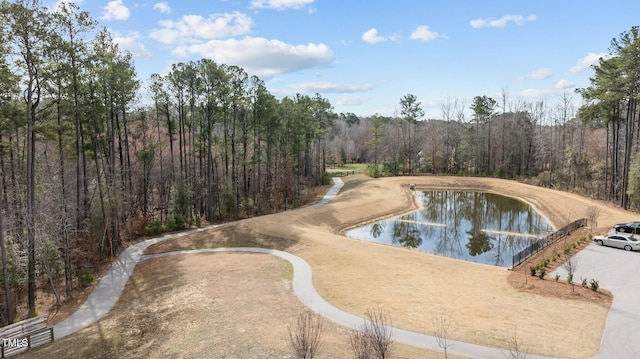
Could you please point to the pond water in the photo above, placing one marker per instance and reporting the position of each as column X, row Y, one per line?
column 473, row 226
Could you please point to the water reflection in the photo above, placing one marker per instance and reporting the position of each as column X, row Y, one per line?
column 475, row 226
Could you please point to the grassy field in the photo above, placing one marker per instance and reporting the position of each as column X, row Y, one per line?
column 355, row 167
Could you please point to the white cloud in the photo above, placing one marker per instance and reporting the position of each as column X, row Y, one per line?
column 192, row 27
column 56, row 7
column 371, row 37
column 541, row 74
column 564, row 84
column 263, row 57
column 280, row 4
column 501, row 22
column 115, row 10
column 312, row 87
column 163, row 7
column 131, row 44
column 590, row 59
column 424, row 34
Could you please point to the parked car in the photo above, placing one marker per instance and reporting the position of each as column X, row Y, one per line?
column 631, row 227
column 624, row 241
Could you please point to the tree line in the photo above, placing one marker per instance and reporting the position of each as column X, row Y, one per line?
column 85, row 166
column 589, row 147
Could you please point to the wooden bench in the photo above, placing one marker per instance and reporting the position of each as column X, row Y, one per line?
column 22, row 336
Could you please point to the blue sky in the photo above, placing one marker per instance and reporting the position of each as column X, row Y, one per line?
column 365, row 55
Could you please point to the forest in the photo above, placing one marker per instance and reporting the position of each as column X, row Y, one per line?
column 86, row 166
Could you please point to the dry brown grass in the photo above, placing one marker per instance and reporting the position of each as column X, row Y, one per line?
column 222, row 305
column 484, row 303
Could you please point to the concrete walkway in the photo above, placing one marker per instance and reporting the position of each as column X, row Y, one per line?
column 107, row 292
column 331, row 193
column 105, row 295
column 303, row 288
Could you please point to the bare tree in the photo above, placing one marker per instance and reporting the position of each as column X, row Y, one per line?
column 571, row 265
column 360, row 343
column 441, row 325
column 305, row 336
column 592, row 216
column 516, row 350
column 373, row 339
column 380, row 332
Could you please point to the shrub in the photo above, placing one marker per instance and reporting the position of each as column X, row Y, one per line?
column 570, row 278
column 584, row 282
column 542, row 272
column 594, row 285
column 533, row 271
column 373, row 171
column 373, row 339
column 305, row 336
column 86, row 279
column 154, row 228
column 175, row 222
column 567, row 249
column 557, row 277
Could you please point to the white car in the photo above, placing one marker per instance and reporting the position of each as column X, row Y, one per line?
column 628, row 242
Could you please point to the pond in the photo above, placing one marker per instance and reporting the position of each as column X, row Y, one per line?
column 480, row 227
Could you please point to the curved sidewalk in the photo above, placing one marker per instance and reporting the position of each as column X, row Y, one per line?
column 108, row 291
column 106, row 294
column 303, row 288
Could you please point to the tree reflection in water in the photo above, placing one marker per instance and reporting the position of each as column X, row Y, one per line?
column 475, row 226
column 479, row 242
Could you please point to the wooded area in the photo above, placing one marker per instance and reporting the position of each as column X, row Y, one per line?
column 86, row 165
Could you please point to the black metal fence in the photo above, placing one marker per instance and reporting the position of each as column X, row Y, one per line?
column 536, row 247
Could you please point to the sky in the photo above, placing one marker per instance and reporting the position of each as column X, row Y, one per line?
column 364, row 56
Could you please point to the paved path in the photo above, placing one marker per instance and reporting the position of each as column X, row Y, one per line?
column 105, row 295
column 331, row 193
column 303, row 288
column 619, row 334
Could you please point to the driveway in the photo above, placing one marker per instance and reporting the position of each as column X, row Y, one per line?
column 619, row 272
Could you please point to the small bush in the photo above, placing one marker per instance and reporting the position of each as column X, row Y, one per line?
column 175, row 223
column 86, row 279
column 570, row 278
column 567, row 249
column 594, row 285
column 533, row 271
column 584, row 282
column 373, row 339
column 305, row 335
column 542, row 272
column 154, row 228
column 557, row 277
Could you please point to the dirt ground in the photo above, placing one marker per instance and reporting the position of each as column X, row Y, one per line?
column 485, row 304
